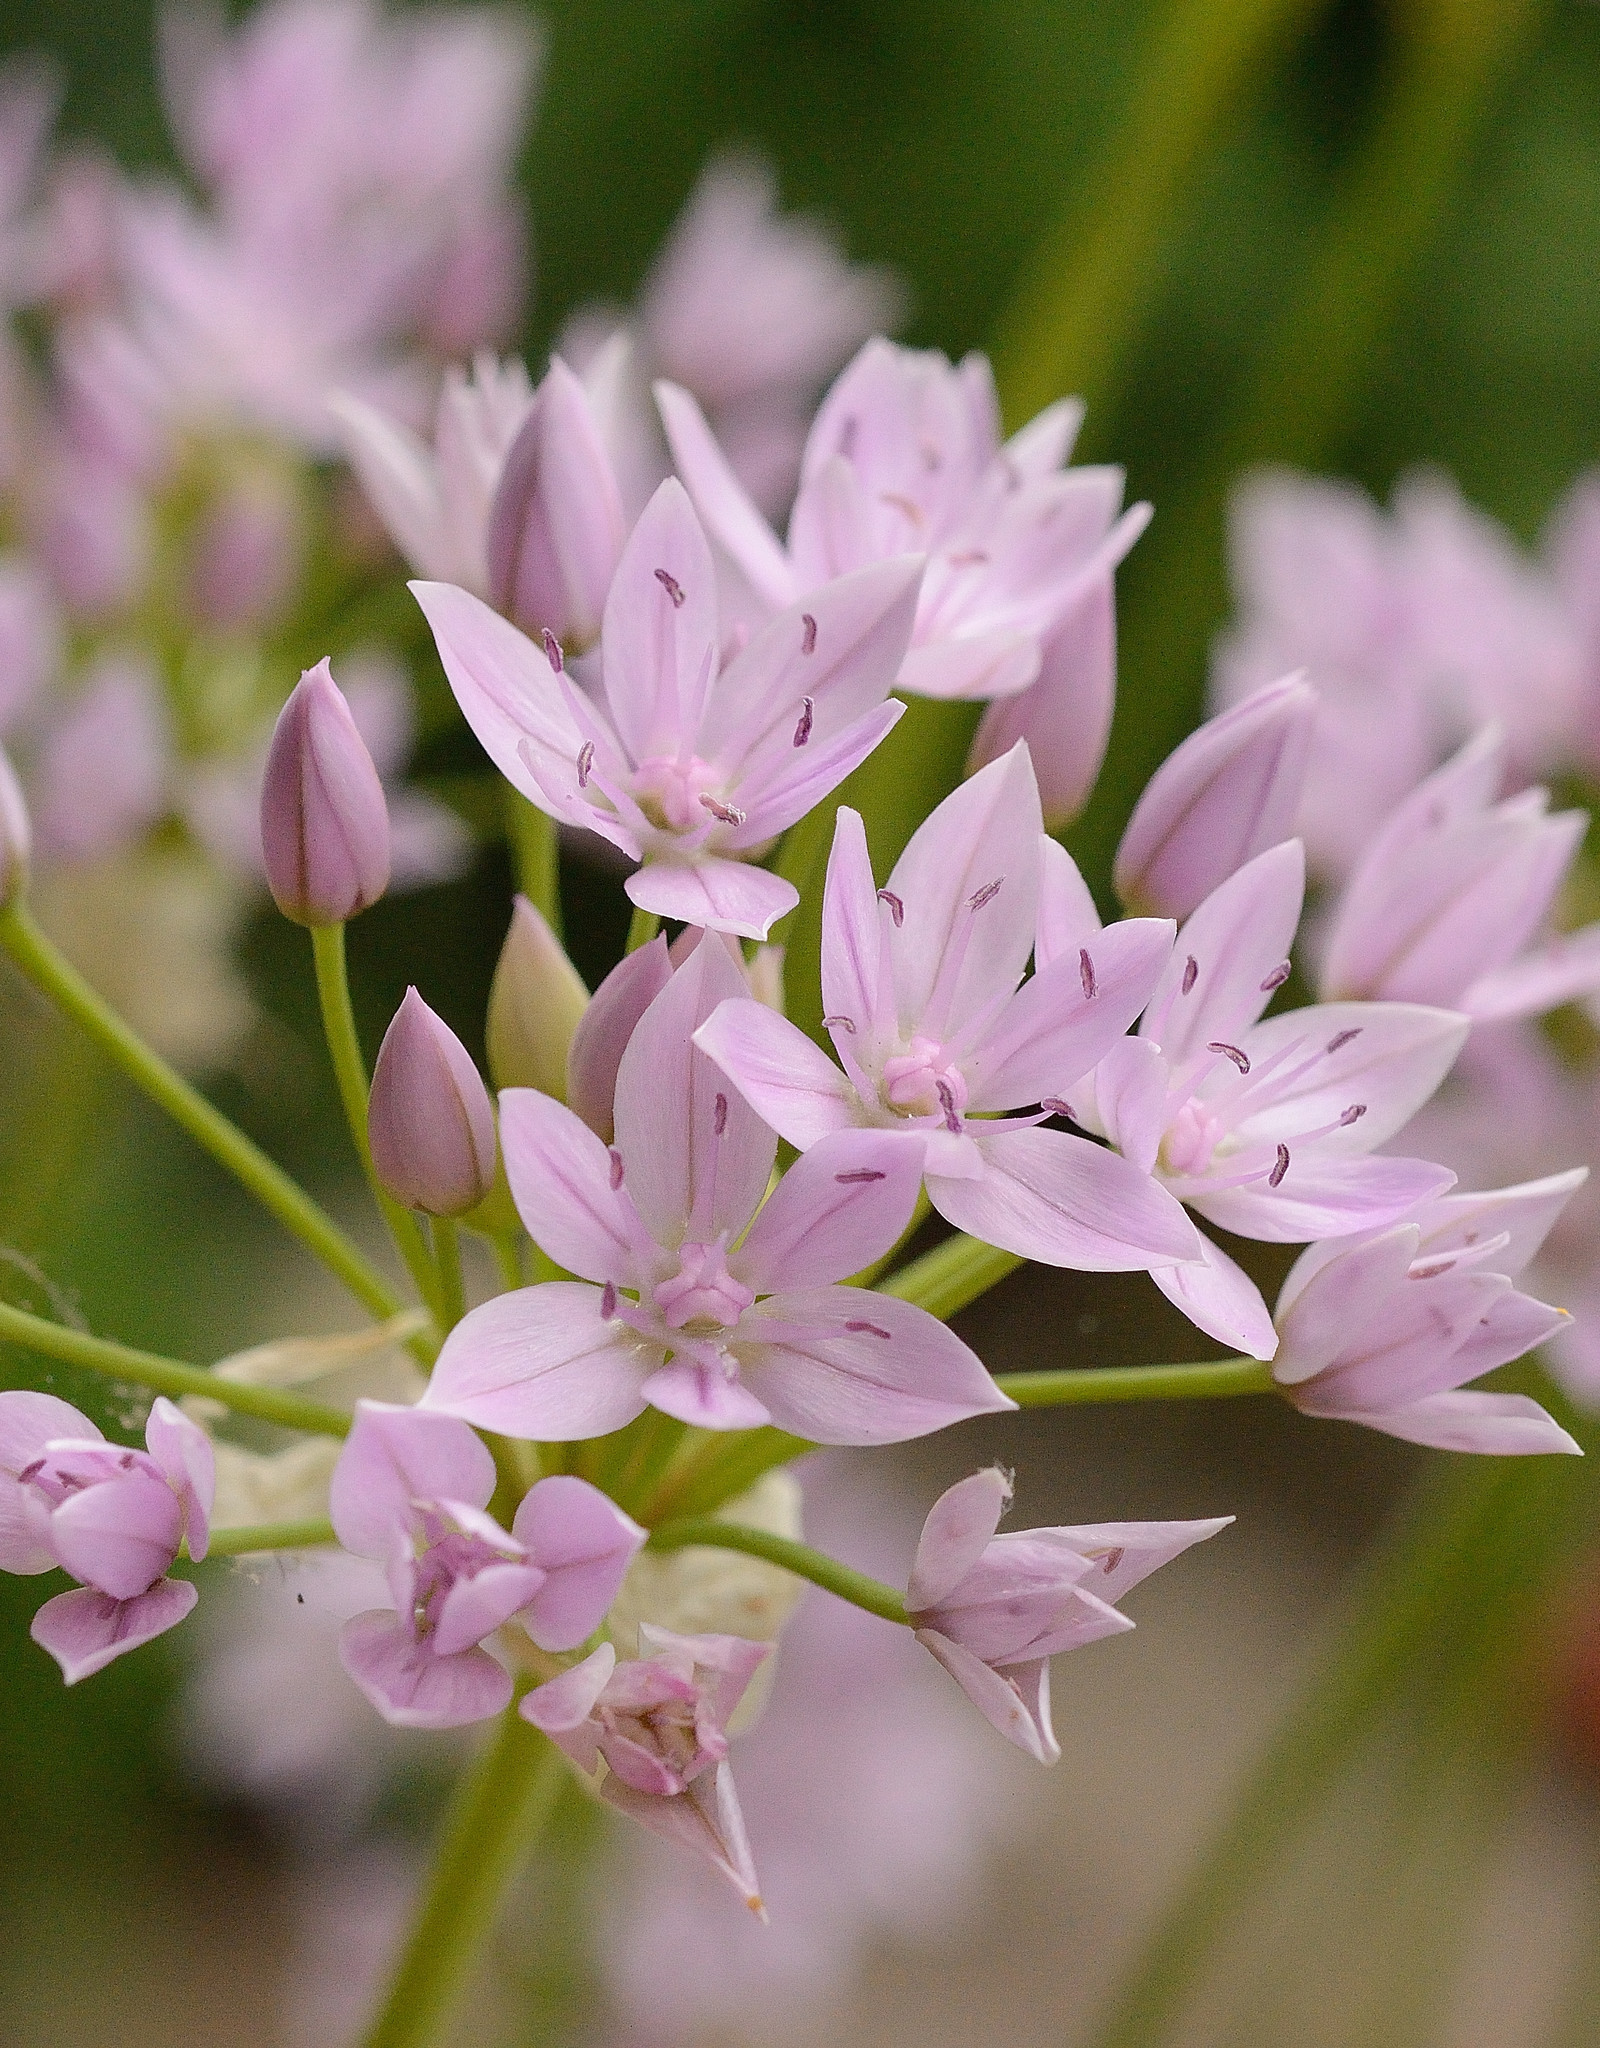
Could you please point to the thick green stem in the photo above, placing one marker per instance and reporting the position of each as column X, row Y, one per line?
column 535, row 856
column 642, row 928
column 501, row 1804
column 953, row 1274
column 311, row 1534
column 447, row 1251
column 167, row 1375
column 350, row 1071
column 705, row 1532
column 55, row 977
column 1215, row 1379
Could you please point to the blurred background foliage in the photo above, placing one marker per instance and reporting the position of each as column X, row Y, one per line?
column 1358, row 236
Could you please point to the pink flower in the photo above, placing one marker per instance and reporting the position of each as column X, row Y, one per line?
column 1449, row 896
column 601, row 1038
column 105, row 765
column 430, row 1123
column 113, row 1518
column 658, row 1725
column 1386, row 1330
column 707, row 1302
column 689, row 768
column 410, row 1490
column 936, row 1040
column 324, row 822
column 995, row 1609
column 1264, row 1128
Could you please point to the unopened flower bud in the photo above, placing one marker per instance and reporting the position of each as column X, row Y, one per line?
column 1228, row 793
column 324, row 822
column 16, row 835
column 535, row 1004
column 602, row 1036
column 430, row 1123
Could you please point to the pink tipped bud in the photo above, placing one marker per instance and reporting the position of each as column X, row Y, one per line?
column 602, row 1037
column 556, row 526
column 535, row 1005
column 324, row 822
column 1230, row 792
column 430, row 1122
column 16, row 835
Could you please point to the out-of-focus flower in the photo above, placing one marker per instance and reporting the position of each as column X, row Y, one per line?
column 689, row 768
column 29, row 95
column 104, row 764
column 729, row 1322
column 936, row 1040
column 1387, row 1331
column 1268, row 1129
column 1417, row 628
column 1231, row 791
column 658, row 1724
column 324, row 823
column 16, row 835
column 113, row 1518
column 409, row 1492
column 995, row 1609
column 1446, row 901
column 430, row 1122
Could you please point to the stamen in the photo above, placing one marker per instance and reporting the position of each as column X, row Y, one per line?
column 1277, row 978
column 897, row 909
column 585, row 763
column 719, row 1121
column 847, row 437
column 947, row 1102
column 608, row 1302
column 552, row 650
column 1430, row 1272
column 986, row 894
column 1055, row 1105
column 867, row 1329
column 858, row 1176
column 670, row 584
column 1275, row 1177
column 969, row 558
column 843, row 1023
column 1231, row 1052
column 802, row 731
column 1342, row 1038
column 1191, row 973
column 726, row 814
column 808, row 640
column 1113, row 1558
column 1352, row 1115
column 1086, row 972
column 902, row 504
column 616, row 1169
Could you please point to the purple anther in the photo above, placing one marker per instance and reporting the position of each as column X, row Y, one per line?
column 1275, row 1177
column 719, row 1120
column 969, row 558
column 1191, row 973
column 1055, row 1105
column 808, row 639
column 840, row 1023
column 608, row 1302
column 867, row 1329
column 1231, row 1052
column 986, row 894
column 847, row 437
column 1431, row 1272
column 1277, row 978
column 947, row 1102
column 727, row 814
column 1353, row 1115
column 670, row 584
column 585, row 763
column 858, row 1176
column 1112, row 1559
column 1086, row 972
column 1342, row 1038
column 802, row 730
column 552, row 650
column 616, row 1169
column 897, row 909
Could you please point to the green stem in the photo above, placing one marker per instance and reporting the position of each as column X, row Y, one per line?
column 311, row 1534
column 954, row 1273
column 502, row 1802
column 447, row 1251
column 350, row 1071
column 1215, row 1379
column 535, row 856
column 642, row 928
column 167, row 1375
column 55, row 977
column 508, row 1258
column 705, row 1532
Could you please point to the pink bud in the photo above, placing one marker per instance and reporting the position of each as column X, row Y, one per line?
column 556, row 525
column 604, row 1030
column 16, row 835
column 1230, row 792
column 324, row 823
column 429, row 1122
column 536, row 1002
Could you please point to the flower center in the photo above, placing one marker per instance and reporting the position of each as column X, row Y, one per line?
column 451, row 1554
column 922, row 1081
column 680, row 796
column 1192, row 1138
column 702, row 1297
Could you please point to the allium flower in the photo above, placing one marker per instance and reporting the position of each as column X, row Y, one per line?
column 410, row 1491
column 995, row 1609
column 430, row 1123
column 937, row 1041
column 1386, row 1330
column 689, row 768
column 1265, row 1128
column 658, row 1725
column 707, row 1302
column 113, row 1518
column 324, row 823
column 1446, row 901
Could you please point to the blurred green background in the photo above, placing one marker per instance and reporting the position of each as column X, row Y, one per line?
column 1383, row 248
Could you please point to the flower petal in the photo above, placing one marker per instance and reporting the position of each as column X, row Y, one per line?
column 1503, row 1425
column 719, row 895
column 394, row 1456
column 720, row 499
column 561, row 1182
column 958, row 1530
column 1067, row 918
column 840, row 1207
column 705, row 1818
column 701, row 1394
column 1321, row 1197
column 413, row 1688
column 660, row 632
column 584, row 1544
column 542, row 1362
column 1220, row 1299
column 1389, row 1057
column 84, row 1630
column 189, row 1463
column 1330, row 1312
column 121, row 1534
column 789, row 1082
column 1237, row 940
column 604, row 1029
column 1018, row 1704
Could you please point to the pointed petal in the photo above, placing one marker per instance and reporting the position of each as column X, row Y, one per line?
column 840, row 1207
column 788, row 1081
column 1067, row 918
column 29, row 1421
column 1065, row 715
column 1558, row 973
column 660, row 634
column 1067, row 1202
column 1130, row 1100
column 561, row 1182
column 977, row 667
column 1321, row 1197
column 542, row 1362
column 413, row 1688
column 84, row 1630
column 1411, row 1351
column 704, row 1819
column 189, row 1463
column 1018, row 1704
column 475, row 1607
column 1126, row 1553
column 720, row 499
column 959, row 1527
column 584, row 1543
column 703, row 1396
column 1503, row 1425
column 1237, row 939
column 842, row 1365
column 394, row 1456
column 1330, row 1313
column 604, row 1029
column 1389, row 1057
column 564, row 1703
column 853, row 947
column 1220, row 1299
column 719, row 895
column 400, row 477
column 1525, row 1213
column 1515, row 1325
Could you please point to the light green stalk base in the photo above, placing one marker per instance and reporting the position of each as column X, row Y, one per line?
column 799, row 1558
column 314, row 1534
column 642, row 928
